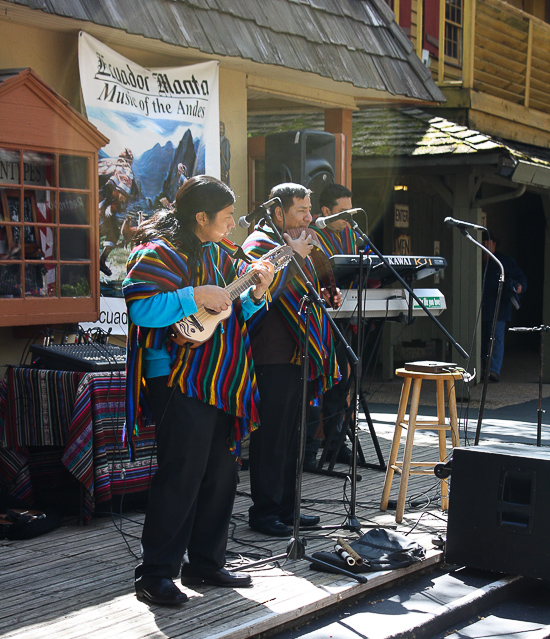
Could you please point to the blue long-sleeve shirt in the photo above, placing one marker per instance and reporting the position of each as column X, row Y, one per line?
column 164, row 309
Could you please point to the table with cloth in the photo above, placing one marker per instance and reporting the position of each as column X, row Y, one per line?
column 81, row 414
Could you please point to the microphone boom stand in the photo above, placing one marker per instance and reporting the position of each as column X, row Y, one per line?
column 296, row 546
column 493, row 330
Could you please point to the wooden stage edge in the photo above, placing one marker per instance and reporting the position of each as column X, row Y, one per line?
column 350, row 590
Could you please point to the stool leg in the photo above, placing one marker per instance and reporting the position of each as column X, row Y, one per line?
column 440, row 384
column 395, row 443
column 407, row 454
column 452, row 412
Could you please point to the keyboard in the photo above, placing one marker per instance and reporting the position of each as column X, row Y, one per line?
column 79, row 357
column 390, row 302
column 409, row 267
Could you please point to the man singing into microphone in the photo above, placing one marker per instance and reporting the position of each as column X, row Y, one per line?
column 276, row 335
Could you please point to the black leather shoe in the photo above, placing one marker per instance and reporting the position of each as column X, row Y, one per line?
column 343, row 456
column 305, row 521
column 160, row 590
column 310, row 462
column 273, row 528
column 221, row 577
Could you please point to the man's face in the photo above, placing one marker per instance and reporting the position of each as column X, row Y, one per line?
column 297, row 216
column 492, row 245
column 342, row 204
column 215, row 230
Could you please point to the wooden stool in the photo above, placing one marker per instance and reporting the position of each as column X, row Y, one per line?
column 407, row 467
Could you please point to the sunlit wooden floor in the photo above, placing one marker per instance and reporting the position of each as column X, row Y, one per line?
column 77, row 581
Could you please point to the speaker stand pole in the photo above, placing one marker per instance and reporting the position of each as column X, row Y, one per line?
column 541, row 330
column 493, row 331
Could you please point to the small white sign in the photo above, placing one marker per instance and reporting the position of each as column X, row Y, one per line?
column 401, row 216
column 113, row 315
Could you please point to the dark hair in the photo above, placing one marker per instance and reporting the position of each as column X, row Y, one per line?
column 331, row 193
column 489, row 235
column 199, row 193
column 287, row 191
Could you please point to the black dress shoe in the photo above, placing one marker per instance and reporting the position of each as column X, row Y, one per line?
column 159, row 590
column 305, row 521
column 310, row 461
column 343, row 456
column 221, row 577
column 273, row 528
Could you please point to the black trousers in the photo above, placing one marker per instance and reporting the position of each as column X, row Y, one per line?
column 192, row 492
column 334, row 401
column 273, row 448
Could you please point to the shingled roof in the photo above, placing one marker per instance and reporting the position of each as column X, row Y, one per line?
column 352, row 41
column 406, row 132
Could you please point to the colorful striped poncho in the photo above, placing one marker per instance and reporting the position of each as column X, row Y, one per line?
column 287, row 293
column 219, row 372
column 340, row 243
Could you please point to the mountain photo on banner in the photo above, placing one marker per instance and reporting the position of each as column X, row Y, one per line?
column 163, row 127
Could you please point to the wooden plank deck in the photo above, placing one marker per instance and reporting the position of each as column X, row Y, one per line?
column 77, row 581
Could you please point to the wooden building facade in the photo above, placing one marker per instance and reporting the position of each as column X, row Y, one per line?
column 490, row 60
column 321, row 56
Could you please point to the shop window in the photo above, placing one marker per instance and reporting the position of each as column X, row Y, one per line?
column 49, row 244
column 45, row 225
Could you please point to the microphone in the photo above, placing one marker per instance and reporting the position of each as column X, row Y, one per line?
column 246, row 220
column 321, row 222
column 450, row 221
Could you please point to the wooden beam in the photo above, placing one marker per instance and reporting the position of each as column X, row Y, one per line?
column 529, row 61
column 498, row 117
column 545, row 200
column 419, row 27
column 301, row 93
column 340, row 121
column 458, row 97
column 466, row 272
column 441, row 49
column 468, row 40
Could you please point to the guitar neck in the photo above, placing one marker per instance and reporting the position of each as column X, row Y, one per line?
column 240, row 285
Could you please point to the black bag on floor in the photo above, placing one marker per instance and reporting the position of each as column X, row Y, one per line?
column 17, row 521
column 380, row 549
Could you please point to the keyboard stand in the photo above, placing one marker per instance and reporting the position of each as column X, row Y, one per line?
column 347, row 420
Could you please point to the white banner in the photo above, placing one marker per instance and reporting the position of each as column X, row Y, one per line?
column 163, row 126
column 113, row 317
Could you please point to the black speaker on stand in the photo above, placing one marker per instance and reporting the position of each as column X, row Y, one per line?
column 499, row 509
column 305, row 157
